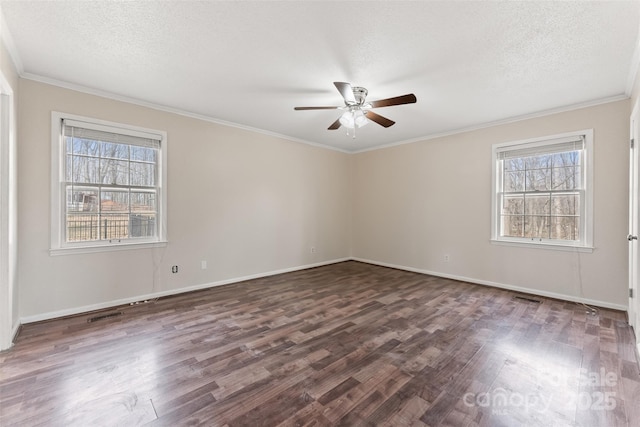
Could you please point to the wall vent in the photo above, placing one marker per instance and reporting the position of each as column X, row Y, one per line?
column 528, row 299
column 104, row 316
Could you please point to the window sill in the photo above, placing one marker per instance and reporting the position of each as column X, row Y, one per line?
column 542, row 245
column 74, row 250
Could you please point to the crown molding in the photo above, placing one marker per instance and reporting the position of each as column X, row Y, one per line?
column 167, row 109
column 509, row 120
column 164, row 108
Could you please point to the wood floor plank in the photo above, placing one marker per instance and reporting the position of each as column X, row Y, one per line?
column 308, row 416
column 337, row 409
column 344, row 344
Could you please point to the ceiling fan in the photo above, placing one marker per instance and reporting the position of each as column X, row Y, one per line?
column 357, row 111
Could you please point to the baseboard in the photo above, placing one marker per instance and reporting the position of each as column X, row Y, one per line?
column 124, row 301
column 14, row 334
column 554, row 295
column 15, row 331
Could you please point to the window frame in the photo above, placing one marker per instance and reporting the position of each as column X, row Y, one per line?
column 585, row 244
column 59, row 245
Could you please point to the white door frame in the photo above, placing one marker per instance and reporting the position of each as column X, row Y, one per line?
column 8, row 216
column 634, row 218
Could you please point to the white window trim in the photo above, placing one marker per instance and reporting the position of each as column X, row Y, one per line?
column 587, row 213
column 58, row 245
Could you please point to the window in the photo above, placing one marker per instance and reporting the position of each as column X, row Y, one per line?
column 108, row 186
column 543, row 191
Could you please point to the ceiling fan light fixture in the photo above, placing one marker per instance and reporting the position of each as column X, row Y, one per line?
column 347, row 120
column 352, row 118
column 359, row 118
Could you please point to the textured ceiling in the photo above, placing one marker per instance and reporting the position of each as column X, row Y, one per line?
column 250, row 62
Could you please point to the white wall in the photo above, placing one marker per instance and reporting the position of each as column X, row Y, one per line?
column 416, row 202
column 247, row 203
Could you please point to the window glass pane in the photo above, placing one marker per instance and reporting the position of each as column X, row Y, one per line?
column 82, row 199
column 143, row 174
column 114, row 226
column 513, row 205
column 565, row 204
column 111, row 150
column 143, row 202
column 84, row 170
column 85, row 147
column 114, row 201
column 83, row 226
column 567, row 178
column 512, row 226
column 514, row 164
column 537, row 204
column 565, row 228
column 82, row 214
column 538, row 179
column 570, row 158
column 143, row 154
column 115, row 171
column 513, row 181
column 536, row 226
column 143, row 225
column 537, row 162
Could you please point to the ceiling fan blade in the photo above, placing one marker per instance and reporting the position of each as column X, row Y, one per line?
column 315, row 108
column 335, row 125
column 382, row 121
column 398, row 100
column 346, row 91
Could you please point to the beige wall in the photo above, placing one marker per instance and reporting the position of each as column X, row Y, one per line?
column 247, row 203
column 414, row 203
column 251, row 204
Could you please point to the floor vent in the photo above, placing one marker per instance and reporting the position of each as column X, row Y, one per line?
column 521, row 298
column 104, row 316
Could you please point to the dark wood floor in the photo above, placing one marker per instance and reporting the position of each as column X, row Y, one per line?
column 346, row 344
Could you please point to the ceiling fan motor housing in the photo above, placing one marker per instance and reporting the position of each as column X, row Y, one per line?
column 360, row 94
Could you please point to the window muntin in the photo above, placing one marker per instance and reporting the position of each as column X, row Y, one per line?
column 542, row 194
column 109, row 189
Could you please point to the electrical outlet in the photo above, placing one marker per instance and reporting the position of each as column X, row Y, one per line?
column 203, row 264
column 446, row 258
column 313, row 249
